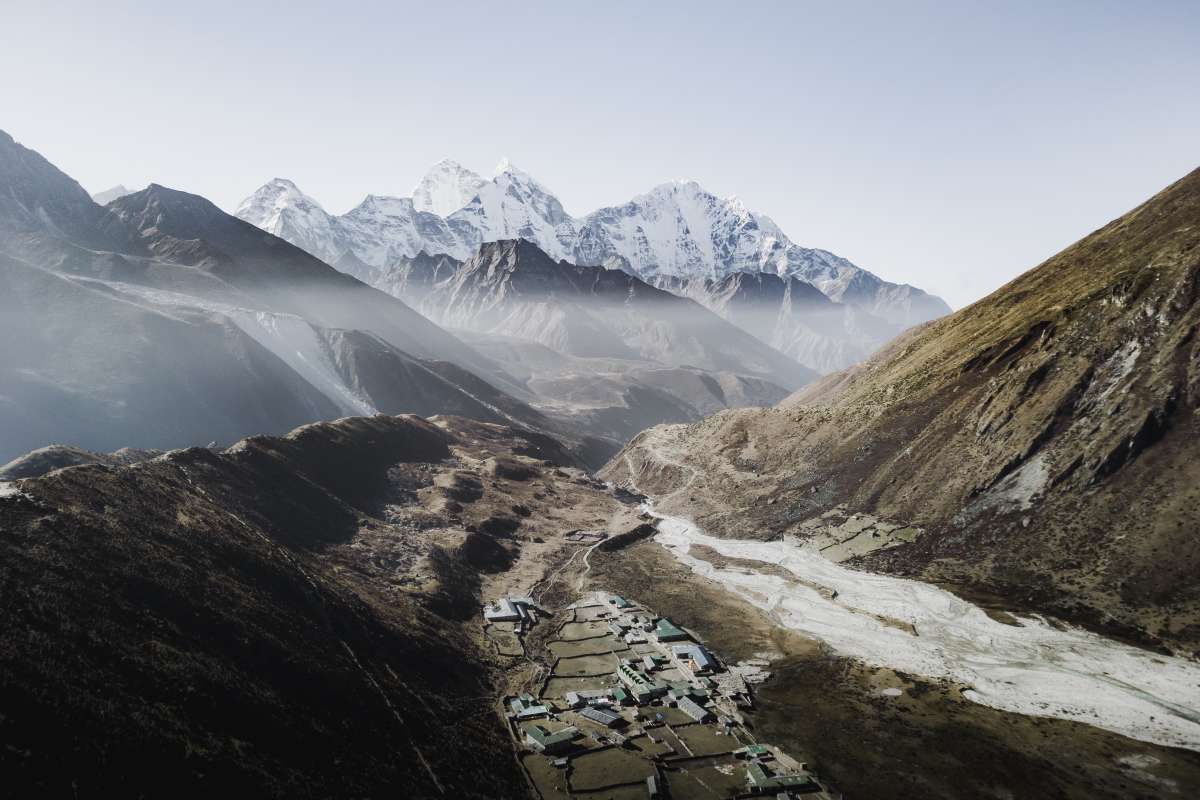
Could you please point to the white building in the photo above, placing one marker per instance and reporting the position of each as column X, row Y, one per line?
column 511, row 609
column 693, row 658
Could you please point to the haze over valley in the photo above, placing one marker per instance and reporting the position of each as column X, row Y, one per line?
column 600, row 485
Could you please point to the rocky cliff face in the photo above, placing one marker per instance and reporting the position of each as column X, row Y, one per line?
column 1042, row 441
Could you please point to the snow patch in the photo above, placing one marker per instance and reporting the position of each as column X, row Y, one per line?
column 299, row 345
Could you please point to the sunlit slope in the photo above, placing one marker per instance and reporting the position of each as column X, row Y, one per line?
column 1045, row 438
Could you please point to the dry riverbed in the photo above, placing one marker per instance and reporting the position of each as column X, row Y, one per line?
column 877, row 733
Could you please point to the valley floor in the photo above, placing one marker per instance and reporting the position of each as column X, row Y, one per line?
column 631, row 717
column 879, row 732
column 1029, row 665
column 884, row 688
column 1043, row 716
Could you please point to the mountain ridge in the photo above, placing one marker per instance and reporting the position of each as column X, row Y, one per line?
column 675, row 229
column 513, row 288
column 160, row 321
column 270, row 620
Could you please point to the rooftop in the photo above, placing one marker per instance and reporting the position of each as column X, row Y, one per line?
column 547, row 739
column 696, row 654
column 600, row 715
column 693, row 709
column 668, row 631
column 759, row 777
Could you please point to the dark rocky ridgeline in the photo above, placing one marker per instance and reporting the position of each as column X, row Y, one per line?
column 179, row 628
column 1045, row 438
column 56, row 456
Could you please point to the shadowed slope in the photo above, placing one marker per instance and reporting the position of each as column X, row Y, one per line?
column 183, row 628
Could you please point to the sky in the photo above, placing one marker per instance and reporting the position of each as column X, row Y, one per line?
column 947, row 145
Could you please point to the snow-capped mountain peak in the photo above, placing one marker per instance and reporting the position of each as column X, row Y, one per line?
column 108, row 195
column 446, row 187
column 513, row 205
column 676, row 229
column 279, row 207
column 387, row 204
column 272, row 199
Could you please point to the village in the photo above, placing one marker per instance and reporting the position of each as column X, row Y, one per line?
column 634, row 706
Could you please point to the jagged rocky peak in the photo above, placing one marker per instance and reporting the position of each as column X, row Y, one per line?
column 170, row 211
column 515, row 262
column 446, row 187
column 514, row 289
column 767, row 287
column 509, row 253
column 521, row 263
column 411, row 278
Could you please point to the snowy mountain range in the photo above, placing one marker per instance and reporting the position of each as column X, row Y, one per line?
column 676, row 230
column 159, row 321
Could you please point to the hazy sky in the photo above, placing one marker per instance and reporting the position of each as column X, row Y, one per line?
column 951, row 146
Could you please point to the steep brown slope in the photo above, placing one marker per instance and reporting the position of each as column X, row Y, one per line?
column 1045, row 438
column 262, row 622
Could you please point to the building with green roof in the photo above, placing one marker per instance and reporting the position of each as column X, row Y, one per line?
column 762, row 781
column 753, row 751
column 642, row 689
column 545, row 741
column 667, row 631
